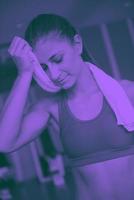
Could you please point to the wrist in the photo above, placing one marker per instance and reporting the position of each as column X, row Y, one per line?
column 28, row 73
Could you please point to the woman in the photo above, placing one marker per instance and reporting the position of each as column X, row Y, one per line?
column 96, row 147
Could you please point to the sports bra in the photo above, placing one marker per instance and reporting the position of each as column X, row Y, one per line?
column 94, row 140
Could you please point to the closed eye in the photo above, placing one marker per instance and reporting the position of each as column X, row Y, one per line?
column 57, row 58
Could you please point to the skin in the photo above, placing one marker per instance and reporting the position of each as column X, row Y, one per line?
column 97, row 179
column 56, row 55
column 104, row 180
column 61, row 59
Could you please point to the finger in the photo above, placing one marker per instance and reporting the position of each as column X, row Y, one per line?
column 26, row 43
column 13, row 42
column 26, row 47
column 13, row 45
column 18, row 46
column 21, row 48
column 25, row 50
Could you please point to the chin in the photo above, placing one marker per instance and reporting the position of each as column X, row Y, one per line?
column 68, row 85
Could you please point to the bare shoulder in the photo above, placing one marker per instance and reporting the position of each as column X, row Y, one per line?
column 46, row 103
column 128, row 86
column 126, row 83
column 41, row 100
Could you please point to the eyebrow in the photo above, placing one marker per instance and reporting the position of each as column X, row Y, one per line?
column 60, row 52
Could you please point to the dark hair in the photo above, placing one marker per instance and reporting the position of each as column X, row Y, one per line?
column 44, row 24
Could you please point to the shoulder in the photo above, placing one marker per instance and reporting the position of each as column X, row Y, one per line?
column 128, row 86
column 46, row 103
column 41, row 101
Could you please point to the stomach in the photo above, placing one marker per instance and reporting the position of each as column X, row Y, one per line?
column 108, row 180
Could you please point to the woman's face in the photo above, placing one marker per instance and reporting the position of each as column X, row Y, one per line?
column 60, row 59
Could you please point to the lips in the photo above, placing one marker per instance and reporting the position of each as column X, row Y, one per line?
column 60, row 82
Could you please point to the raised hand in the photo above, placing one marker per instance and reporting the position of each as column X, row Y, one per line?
column 20, row 50
column 26, row 61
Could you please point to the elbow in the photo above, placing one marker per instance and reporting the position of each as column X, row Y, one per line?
column 5, row 145
column 9, row 149
column 6, row 149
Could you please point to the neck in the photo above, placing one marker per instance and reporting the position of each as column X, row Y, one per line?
column 85, row 85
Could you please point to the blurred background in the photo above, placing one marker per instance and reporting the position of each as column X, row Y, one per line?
column 107, row 27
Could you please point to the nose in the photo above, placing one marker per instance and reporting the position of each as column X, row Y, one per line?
column 54, row 72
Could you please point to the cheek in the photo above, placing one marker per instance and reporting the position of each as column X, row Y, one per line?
column 72, row 64
column 66, row 66
column 69, row 64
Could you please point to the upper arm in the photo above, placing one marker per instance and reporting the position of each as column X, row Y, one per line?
column 128, row 86
column 32, row 125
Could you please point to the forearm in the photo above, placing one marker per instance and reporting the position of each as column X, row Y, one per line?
column 12, row 113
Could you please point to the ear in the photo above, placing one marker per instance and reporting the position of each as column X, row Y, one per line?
column 78, row 43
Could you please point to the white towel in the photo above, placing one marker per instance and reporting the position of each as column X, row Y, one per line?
column 116, row 97
column 111, row 89
column 40, row 75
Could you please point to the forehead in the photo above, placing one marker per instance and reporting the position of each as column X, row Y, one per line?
column 50, row 45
